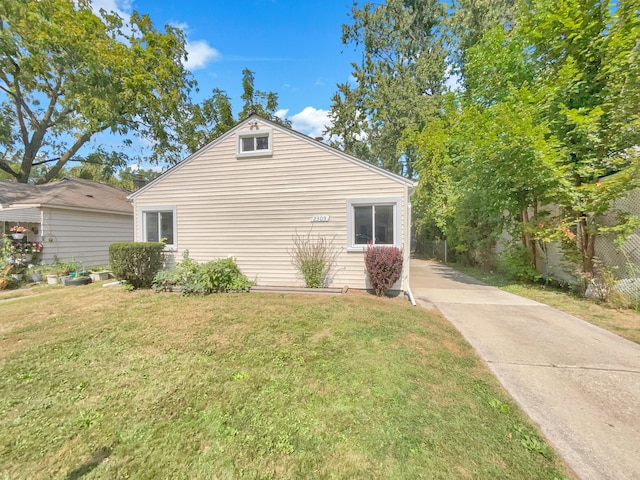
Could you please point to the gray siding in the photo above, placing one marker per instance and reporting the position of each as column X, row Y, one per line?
column 250, row 208
column 20, row 214
column 81, row 235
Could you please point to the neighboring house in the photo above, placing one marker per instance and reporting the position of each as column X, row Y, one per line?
column 248, row 193
column 73, row 218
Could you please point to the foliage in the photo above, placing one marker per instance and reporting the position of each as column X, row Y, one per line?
column 192, row 278
column 68, row 74
column 61, row 267
column 136, row 262
column 5, row 252
column 19, row 249
column 314, row 258
column 588, row 78
column 547, row 115
column 214, row 116
column 384, row 266
column 397, row 83
column 485, row 170
column 516, row 263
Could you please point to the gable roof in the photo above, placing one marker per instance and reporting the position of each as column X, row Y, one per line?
column 285, row 130
column 75, row 193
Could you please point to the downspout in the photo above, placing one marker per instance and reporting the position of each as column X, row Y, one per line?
column 408, row 244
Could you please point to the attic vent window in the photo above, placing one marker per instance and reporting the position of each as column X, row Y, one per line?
column 255, row 143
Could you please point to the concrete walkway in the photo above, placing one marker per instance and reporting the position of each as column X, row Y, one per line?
column 580, row 384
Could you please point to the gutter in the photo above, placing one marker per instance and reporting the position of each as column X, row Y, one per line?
column 408, row 243
column 410, row 295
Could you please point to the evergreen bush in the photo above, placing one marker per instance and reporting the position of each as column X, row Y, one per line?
column 136, row 263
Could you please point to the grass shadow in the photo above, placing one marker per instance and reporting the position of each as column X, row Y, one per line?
column 98, row 457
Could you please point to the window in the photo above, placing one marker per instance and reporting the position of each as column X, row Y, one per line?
column 255, row 143
column 158, row 224
column 373, row 222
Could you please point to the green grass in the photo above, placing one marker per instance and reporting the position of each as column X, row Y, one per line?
column 621, row 321
column 100, row 383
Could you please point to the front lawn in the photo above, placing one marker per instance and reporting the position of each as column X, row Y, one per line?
column 100, row 383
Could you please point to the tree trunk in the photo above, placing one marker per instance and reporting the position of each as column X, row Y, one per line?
column 587, row 246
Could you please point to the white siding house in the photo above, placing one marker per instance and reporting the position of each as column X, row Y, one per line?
column 248, row 193
column 73, row 218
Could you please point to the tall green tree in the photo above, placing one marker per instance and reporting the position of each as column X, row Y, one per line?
column 214, row 116
column 586, row 56
column 549, row 109
column 398, row 81
column 467, row 24
column 67, row 74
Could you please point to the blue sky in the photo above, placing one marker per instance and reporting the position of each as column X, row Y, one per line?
column 293, row 46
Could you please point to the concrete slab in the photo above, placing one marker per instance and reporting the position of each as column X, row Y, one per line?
column 580, row 384
column 476, row 296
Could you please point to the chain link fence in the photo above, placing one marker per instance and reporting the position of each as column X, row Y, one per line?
column 622, row 260
column 434, row 249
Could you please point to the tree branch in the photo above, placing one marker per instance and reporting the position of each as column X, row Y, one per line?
column 5, row 167
column 84, row 138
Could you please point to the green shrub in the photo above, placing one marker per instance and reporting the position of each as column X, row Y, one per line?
column 515, row 262
column 192, row 278
column 136, row 262
column 384, row 266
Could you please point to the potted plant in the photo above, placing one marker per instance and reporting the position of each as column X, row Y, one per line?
column 18, row 232
column 23, row 252
column 77, row 277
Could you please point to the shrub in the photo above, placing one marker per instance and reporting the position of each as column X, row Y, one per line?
column 314, row 258
column 515, row 261
column 136, row 262
column 384, row 266
column 191, row 278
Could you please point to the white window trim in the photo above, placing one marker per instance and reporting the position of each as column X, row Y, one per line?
column 396, row 202
column 143, row 227
column 254, row 133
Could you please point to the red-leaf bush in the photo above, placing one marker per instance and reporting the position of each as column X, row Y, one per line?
column 384, row 266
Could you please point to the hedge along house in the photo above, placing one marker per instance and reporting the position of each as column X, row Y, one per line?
column 73, row 218
column 249, row 192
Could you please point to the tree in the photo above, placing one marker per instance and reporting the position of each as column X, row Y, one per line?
column 469, row 21
column 549, row 109
column 262, row 103
column 397, row 83
column 484, row 171
column 214, row 116
column 586, row 59
column 68, row 74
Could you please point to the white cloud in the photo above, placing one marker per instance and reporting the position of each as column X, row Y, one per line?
column 199, row 51
column 311, row 121
column 121, row 7
column 181, row 25
column 199, row 54
column 282, row 113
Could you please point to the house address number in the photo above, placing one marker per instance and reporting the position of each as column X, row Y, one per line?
column 320, row 218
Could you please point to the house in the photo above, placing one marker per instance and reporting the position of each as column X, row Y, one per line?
column 249, row 192
column 73, row 218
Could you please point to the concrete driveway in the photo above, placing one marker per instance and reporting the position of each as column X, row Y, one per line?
column 580, row 384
